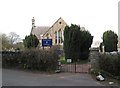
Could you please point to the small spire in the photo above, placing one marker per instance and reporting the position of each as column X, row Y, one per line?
column 33, row 24
column 33, row 21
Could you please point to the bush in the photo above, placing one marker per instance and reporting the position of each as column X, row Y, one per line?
column 43, row 60
column 63, row 60
column 110, row 63
column 10, row 59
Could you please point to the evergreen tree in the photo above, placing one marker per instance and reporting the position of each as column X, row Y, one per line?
column 110, row 40
column 31, row 41
column 76, row 42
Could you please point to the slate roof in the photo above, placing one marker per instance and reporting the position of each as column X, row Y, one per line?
column 42, row 30
column 39, row 30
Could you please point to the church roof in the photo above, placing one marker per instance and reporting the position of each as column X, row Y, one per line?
column 39, row 30
column 42, row 30
column 53, row 25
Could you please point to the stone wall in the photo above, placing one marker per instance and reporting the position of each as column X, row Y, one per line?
column 94, row 58
column 58, row 26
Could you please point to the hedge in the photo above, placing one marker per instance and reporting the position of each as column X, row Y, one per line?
column 110, row 63
column 43, row 60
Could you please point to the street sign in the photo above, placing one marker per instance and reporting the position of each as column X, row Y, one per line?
column 46, row 42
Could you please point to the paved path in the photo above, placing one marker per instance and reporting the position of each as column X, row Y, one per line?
column 23, row 78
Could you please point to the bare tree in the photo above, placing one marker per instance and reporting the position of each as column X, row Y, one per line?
column 4, row 41
column 13, row 38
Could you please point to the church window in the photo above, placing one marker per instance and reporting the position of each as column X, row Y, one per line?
column 55, row 37
column 59, row 36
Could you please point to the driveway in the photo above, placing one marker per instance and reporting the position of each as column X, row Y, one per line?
column 24, row 78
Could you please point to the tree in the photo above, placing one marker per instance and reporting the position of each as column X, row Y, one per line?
column 5, row 41
column 76, row 42
column 19, row 46
column 30, row 41
column 10, row 41
column 86, row 40
column 110, row 40
column 13, row 38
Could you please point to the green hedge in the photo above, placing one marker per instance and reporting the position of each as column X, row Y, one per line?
column 110, row 63
column 10, row 59
column 43, row 60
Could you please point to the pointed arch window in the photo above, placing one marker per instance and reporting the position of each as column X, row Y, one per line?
column 59, row 36
column 55, row 37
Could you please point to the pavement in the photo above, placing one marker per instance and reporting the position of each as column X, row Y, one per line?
column 12, row 77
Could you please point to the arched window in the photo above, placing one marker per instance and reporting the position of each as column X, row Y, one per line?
column 59, row 36
column 55, row 37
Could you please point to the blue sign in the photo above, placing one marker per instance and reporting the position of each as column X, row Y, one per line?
column 46, row 42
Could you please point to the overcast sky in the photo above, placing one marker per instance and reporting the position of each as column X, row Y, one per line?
column 96, row 16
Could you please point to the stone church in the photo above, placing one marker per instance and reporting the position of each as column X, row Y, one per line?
column 55, row 32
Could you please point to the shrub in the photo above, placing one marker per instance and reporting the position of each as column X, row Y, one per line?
column 110, row 63
column 63, row 60
column 10, row 59
column 43, row 60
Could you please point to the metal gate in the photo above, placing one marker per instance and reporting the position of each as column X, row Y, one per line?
column 76, row 68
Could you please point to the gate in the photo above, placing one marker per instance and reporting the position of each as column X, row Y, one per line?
column 76, row 68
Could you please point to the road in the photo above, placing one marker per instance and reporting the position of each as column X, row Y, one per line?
column 25, row 78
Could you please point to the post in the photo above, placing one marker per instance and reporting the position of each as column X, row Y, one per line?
column 75, row 66
column 103, row 49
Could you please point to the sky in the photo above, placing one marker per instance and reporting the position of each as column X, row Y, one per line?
column 96, row 16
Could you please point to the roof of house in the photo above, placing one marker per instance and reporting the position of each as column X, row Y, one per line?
column 38, row 30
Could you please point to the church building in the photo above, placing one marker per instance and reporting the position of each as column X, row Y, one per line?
column 55, row 32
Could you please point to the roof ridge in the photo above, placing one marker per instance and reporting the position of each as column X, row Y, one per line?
column 53, row 25
column 42, row 26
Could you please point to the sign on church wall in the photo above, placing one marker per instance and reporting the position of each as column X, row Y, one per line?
column 46, row 42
